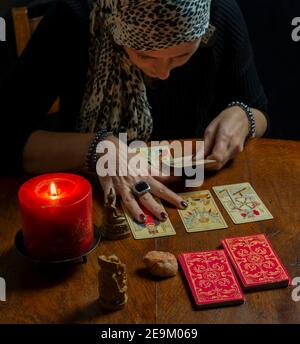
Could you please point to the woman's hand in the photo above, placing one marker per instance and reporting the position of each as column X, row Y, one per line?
column 122, row 185
column 225, row 136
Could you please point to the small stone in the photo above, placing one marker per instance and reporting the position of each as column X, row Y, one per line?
column 162, row 264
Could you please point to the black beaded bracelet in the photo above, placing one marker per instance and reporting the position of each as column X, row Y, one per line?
column 250, row 116
column 91, row 157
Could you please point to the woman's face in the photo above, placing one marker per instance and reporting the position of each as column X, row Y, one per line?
column 159, row 63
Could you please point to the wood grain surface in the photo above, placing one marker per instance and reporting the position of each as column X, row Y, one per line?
column 69, row 295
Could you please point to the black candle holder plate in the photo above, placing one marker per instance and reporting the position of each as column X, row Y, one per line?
column 20, row 247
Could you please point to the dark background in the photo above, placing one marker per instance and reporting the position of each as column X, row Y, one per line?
column 277, row 56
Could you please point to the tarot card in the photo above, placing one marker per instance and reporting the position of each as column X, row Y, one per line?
column 242, row 203
column 155, row 154
column 152, row 228
column 211, row 279
column 202, row 214
column 188, row 161
column 256, row 263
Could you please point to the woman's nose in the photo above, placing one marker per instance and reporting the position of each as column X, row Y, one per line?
column 163, row 70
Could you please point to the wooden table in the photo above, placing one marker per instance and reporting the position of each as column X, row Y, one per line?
column 37, row 296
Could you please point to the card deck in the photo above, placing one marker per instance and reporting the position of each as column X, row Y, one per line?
column 202, row 214
column 152, row 228
column 255, row 262
column 242, row 203
column 211, row 279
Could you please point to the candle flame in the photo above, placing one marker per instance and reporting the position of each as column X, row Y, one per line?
column 53, row 190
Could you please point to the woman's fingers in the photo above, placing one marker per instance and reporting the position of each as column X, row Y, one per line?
column 160, row 190
column 220, row 152
column 167, row 179
column 229, row 131
column 227, row 147
column 209, row 138
column 154, row 208
column 147, row 200
column 236, row 147
column 132, row 205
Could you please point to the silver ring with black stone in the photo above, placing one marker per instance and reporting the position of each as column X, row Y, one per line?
column 140, row 188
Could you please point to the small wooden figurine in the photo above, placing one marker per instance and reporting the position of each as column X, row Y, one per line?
column 112, row 283
column 114, row 225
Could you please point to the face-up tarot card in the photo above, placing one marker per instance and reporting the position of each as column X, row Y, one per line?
column 202, row 213
column 152, row 228
column 242, row 203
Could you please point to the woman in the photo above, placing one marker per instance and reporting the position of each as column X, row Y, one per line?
column 155, row 69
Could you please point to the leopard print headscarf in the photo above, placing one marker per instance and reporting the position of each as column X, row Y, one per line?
column 115, row 96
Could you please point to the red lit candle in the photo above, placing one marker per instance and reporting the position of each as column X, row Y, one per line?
column 57, row 216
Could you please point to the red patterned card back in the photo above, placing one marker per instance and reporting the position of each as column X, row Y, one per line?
column 256, row 263
column 211, row 278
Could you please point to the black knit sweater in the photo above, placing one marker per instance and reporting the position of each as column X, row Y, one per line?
column 55, row 64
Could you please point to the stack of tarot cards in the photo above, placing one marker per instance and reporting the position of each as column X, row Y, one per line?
column 213, row 281
column 211, row 278
column 255, row 262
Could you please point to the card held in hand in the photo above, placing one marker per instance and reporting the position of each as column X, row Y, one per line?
column 202, row 213
column 257, row 265
column 211, row 279
column 242, row 203
column 156, row 154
